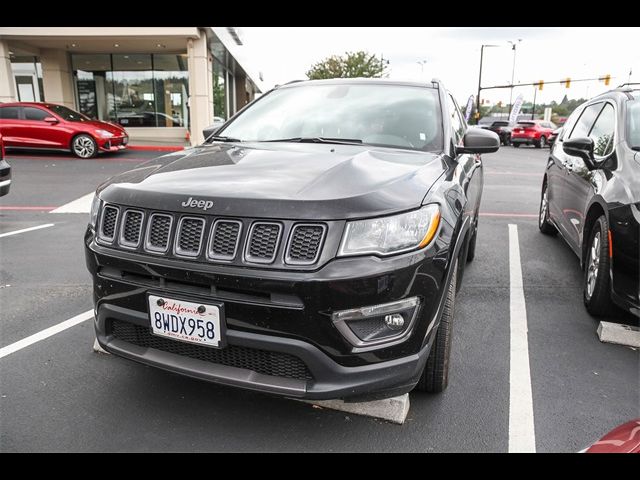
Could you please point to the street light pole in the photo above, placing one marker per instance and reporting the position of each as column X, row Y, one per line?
column 513, row 71
column 421, row 63
column 480, row 81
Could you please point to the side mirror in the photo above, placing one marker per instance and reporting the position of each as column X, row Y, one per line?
column 51, row 120
column 211, row 129
column 581, row 147
column 479, row 140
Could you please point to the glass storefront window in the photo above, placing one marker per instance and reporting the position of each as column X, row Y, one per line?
column 219, row 90
column 27, row 73
column 134, row 90
column 171, row 90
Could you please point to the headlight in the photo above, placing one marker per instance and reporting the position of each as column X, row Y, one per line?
column 394, row 234
column 95, row 208
column 104, row 133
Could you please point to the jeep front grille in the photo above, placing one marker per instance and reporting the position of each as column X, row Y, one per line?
column 189, row 238
column 158, row 232
column 109, row 222
column 131, row 229
column 263, row 242
column 205, row 238
column 304, row 244
column 225, row 236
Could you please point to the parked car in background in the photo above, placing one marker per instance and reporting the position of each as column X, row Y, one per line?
column 532, row 132
column 553, row 136
column 503, row 128
column 311, row 248
column 47, row 126
column 590, row 195
column 5, row 172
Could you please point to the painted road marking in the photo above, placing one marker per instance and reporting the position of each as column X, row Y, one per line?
column 79, row 205
column 44, row 334
column 523, row 215
column 522, row 436
column 30, row 229
column 23, row 207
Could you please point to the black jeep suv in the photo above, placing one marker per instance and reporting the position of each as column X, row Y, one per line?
column 591, row 195
column 312, row 248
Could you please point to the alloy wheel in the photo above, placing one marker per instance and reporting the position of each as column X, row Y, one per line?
column 84, row 147
column 593, row 264
column 544, row 208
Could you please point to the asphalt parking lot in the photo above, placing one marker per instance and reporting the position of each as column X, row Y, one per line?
column 59, row 395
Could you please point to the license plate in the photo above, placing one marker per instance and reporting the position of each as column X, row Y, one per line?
column 199, row 323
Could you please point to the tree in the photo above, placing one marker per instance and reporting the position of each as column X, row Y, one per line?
column 350, row 65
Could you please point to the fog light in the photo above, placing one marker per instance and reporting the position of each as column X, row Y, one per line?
column 377, row 324
column 394, row 322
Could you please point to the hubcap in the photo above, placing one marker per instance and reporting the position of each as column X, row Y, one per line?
column 83, row 147
column 593, row 264
column 544, row 206
column 543, row 141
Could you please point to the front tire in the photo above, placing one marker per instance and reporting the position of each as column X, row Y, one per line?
column 84, row 146
column 435, row 376
column 471, row 251
column 516, row 145
column 596, row 294
column 543, row 216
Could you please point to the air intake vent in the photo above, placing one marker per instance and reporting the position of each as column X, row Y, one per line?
column 189, row 238
column 131, row 228
column 263, row 242
column 225, row 237
column 109, row 222
column 304, row 244
column 158, row 233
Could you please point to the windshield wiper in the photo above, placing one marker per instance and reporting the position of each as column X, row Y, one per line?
column 339, row 141
column 636, row 148
column 217, row 138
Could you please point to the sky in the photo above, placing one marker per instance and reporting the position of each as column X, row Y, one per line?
column 453, row 55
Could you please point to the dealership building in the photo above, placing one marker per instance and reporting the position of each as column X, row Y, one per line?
column 163, row 84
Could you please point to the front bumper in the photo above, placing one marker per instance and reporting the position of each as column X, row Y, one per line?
column 280, row 312
column 5, row 177
column 113, row 144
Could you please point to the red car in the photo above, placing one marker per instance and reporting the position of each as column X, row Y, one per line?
column 48, row 126
column 622, row 439
column 532, row 132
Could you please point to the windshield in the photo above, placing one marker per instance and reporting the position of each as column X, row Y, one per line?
column 68, row 114
column 633, row 123
column 375, row 114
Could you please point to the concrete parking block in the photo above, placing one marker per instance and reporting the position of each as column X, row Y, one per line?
column 98, row 348
column 393, row 410
column 619, row 334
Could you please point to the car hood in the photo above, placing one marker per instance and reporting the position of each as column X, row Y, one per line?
column 281, row 180
column 109, row 127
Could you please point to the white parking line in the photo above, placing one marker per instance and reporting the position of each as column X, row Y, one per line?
column 46, row 333
column 79, row 205
column 522, row 437
column 30, row 229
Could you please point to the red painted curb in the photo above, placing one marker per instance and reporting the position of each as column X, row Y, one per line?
column 161, row 148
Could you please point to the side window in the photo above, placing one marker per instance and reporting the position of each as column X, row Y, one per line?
column 568, row 125
column 9, row 112
column 457, row 123
column 585, row 122
column 32, row 113
column 603, row 131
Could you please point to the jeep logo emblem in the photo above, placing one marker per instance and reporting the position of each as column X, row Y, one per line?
column 193, row 203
